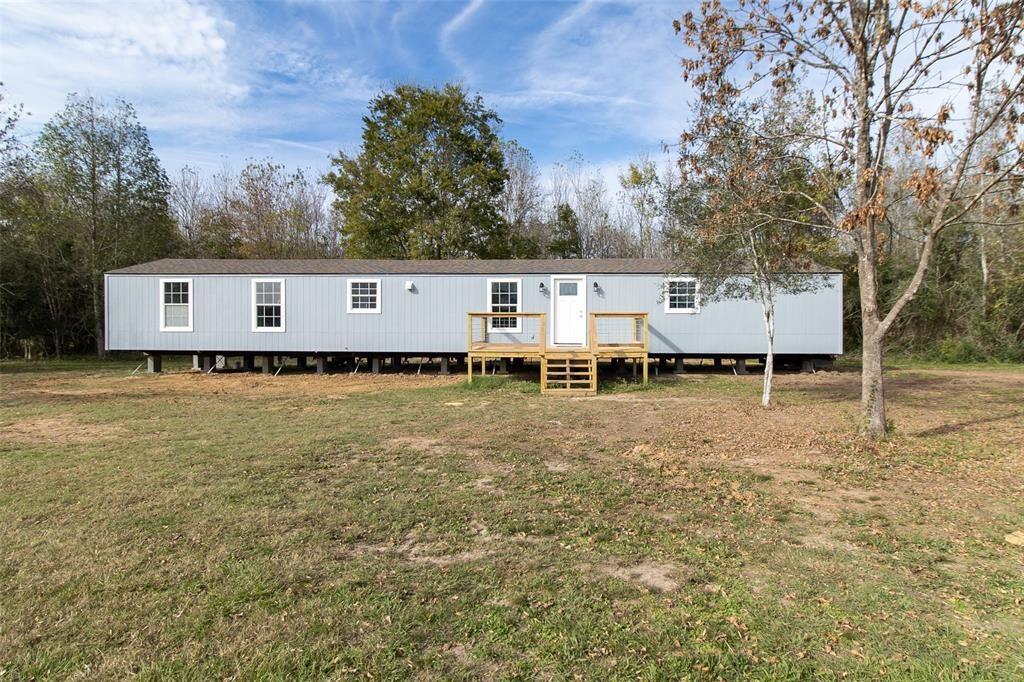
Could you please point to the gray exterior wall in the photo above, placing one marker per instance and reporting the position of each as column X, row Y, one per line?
column 432, row 318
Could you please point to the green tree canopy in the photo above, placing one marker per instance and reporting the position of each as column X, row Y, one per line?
column 565, row 239
column 107, row 194
column 428, row 180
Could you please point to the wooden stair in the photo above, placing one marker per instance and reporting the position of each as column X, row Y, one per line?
column 571, row 373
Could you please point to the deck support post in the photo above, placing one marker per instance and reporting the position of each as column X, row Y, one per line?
column 740, row 365
column 646, row 368
column 154, row 363
column 680, row 365
column 268, row 364
column 248, row 362
column 300, row 361
column 503, row 366
column 444, row 365
column 321, row 364
column 633, row 363
column 375, row 365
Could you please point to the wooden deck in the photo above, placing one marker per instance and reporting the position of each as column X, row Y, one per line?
column 565, row 370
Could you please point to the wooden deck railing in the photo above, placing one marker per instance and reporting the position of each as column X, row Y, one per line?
column 608, row 332
column 630, row 334
column 483, row 336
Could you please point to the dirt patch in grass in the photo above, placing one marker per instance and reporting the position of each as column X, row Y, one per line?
column 424, row 444
column 657, row 576
column 558, row 466
column 57, row 430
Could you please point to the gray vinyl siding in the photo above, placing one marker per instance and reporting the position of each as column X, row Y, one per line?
column 432, row 318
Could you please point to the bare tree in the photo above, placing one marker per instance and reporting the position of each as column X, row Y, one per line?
column 641, row 193
column 189, row 202
column 522, row 201
column 263, row 212
column 583, row 189
column 889, row 74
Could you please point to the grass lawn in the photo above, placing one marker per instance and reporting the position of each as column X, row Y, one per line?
column 414, row 527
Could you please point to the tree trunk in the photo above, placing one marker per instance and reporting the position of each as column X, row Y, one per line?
column 872, row 393
column 984, row 276
column 97, row 311
column 769, row 360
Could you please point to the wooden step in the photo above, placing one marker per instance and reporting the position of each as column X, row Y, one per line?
column 569, row 373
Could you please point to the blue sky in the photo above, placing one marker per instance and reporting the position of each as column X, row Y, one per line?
column 219, row 82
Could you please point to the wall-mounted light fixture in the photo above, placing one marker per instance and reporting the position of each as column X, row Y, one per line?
column 543, row 288
column 597, row 287
column 409, row 286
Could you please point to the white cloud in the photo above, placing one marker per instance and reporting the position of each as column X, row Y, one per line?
column 171, row 58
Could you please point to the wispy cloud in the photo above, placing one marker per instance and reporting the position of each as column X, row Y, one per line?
column 324, row 151
column 449, row 31
column 620, row 57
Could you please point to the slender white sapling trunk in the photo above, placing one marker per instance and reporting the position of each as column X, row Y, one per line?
column 768, row 312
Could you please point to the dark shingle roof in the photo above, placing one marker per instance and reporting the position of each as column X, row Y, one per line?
column 352, row 266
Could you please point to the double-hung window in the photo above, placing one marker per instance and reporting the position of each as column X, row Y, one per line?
column 175, row 305
column 682, row 295
column 268, row 305
column 504, row 296
column 364, row 296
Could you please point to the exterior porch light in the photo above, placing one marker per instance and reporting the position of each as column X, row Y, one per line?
column 542, row 288
column 597, row 287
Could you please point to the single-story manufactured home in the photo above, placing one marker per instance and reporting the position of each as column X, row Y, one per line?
column 566, row 312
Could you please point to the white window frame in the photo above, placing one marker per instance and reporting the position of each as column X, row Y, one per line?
column 254, row 282
column 518, row 328
column 163, row 311
column 348, row 297
column 696, row 296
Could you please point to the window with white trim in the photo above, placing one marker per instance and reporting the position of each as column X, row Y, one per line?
column 268, row 305
column 364, row 295
column 682, row 295
column 175, row 305
column 503, row 296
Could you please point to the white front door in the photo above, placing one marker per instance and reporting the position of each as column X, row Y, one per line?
column 569, row 311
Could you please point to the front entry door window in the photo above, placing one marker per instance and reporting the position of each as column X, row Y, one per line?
column 570, row 312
